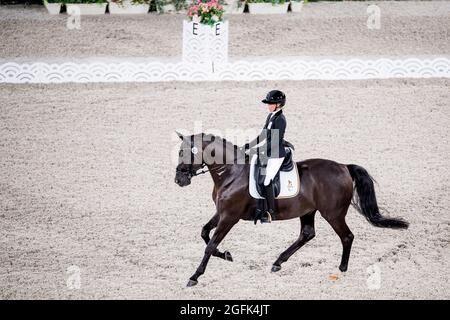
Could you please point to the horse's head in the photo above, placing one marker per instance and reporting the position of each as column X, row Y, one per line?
column 190, row 159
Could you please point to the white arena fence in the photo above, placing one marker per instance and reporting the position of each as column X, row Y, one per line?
column 254, row 69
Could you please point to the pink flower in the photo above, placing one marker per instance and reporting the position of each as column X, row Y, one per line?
column 220, row 7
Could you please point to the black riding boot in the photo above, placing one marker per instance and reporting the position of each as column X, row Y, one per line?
column 267, row 216
column 260, row 209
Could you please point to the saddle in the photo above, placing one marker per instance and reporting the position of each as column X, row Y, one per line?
column 260, row 167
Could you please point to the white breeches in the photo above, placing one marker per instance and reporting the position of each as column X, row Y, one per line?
column 273, row 164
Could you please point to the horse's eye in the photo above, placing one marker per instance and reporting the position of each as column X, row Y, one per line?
column 180, row 153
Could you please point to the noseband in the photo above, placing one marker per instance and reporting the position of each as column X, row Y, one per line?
column 192, row 173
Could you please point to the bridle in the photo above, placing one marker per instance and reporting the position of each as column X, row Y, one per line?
column 191, row 172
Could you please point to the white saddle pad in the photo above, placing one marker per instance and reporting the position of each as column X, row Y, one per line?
column 289, row 182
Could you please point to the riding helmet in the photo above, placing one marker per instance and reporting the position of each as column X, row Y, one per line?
column 275, row 96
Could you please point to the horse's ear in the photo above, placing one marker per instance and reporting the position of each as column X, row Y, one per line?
column 180, row 135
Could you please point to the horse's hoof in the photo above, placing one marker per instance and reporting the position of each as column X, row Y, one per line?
column 276, row 268
column 191, row 283
column 343, row 268
column 227, row 256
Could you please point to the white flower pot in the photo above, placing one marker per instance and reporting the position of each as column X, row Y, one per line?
column 86, row 8
column 297, row 6
column 53, row 8
column 232, row 7
column 170, row 8
column 127, row 7
column 267, row 8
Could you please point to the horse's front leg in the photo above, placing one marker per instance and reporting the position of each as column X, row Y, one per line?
column 224, row 226
column 226, row 255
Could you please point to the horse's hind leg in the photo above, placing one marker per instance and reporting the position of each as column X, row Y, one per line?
column 337, row 222
column 226, row 255
column 306, row 234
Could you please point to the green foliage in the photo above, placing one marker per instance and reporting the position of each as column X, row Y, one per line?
column 178, row 4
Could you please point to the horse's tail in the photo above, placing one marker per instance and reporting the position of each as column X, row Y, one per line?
column 366, row 202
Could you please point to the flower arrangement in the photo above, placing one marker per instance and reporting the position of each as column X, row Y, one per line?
column 206, row 12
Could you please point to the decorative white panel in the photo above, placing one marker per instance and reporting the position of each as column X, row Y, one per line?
column 101, row 72
column 329, row 69
column 203, row 44
column 241, row 70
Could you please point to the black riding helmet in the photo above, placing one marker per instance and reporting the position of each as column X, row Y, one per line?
column 275, row 96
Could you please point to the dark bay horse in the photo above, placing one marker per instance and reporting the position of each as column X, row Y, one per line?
column 326, row 186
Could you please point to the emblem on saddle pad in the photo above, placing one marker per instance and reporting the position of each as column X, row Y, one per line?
column 290, row 186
